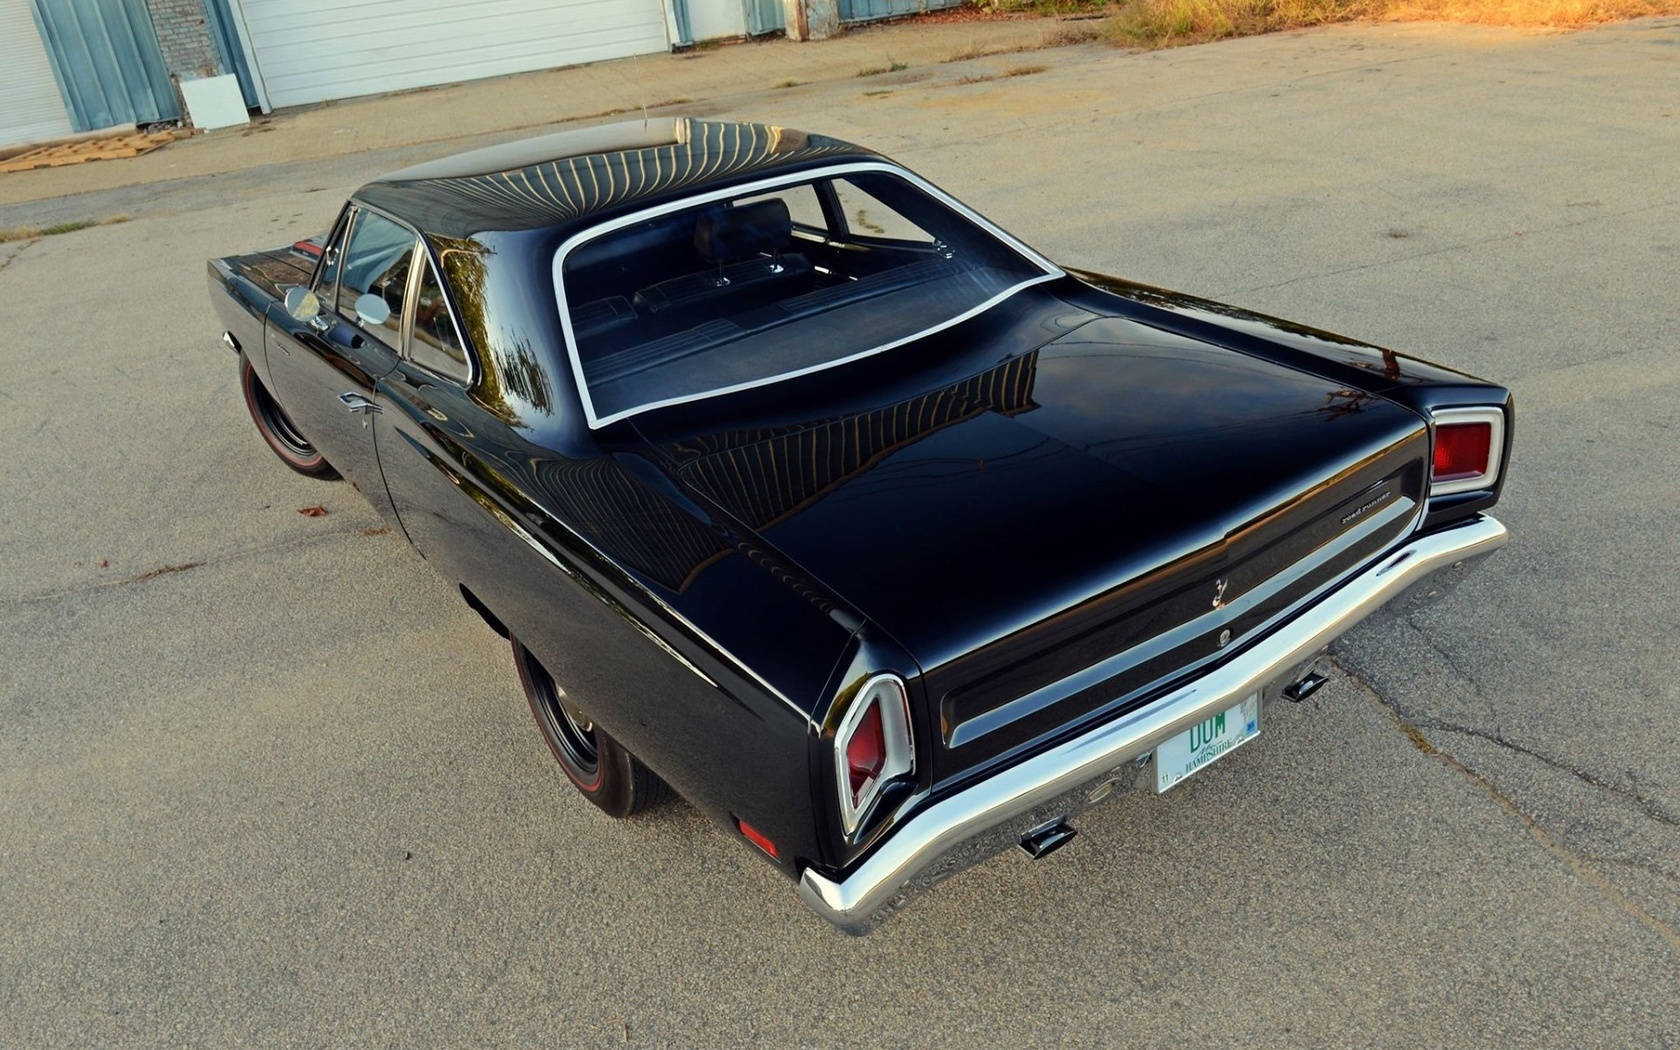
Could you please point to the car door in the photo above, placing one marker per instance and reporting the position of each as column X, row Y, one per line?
column 429, row 427
column 325, row 369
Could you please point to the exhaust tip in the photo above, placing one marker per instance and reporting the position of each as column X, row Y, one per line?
column 1307, row 686
column 1047, row 838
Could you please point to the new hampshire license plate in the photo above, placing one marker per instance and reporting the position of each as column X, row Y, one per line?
column 1206, row 742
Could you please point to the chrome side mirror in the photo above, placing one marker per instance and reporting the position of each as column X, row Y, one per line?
column 302, row 304
column 372, row 310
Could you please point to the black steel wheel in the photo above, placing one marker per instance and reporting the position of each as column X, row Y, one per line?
column 597, row 765
column 278, row 429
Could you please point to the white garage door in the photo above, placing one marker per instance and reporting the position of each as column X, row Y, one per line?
column 313, row 50
column 31, row 107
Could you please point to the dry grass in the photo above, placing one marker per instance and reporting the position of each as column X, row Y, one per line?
column 1166, row 23
column 1057, row 33
column 1067, row 32
column 1012, row 71
column 1540, row 14
column 29, row 233
column 978, row 50
column 1163, row 23
column 893, row 66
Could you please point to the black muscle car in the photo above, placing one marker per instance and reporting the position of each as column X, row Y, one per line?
column 803, row 489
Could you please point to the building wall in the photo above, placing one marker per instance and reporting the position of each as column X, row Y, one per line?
column 315, row 50
column 183, row 33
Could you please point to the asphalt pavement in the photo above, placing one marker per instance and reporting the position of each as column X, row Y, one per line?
column 265, row 781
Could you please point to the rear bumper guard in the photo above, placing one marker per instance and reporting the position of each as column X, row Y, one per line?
column 993, row 815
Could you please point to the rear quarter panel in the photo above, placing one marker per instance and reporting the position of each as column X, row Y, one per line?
column 585, row 561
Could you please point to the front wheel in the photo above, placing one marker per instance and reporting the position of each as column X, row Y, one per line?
column 277, row 428
column 597, row 765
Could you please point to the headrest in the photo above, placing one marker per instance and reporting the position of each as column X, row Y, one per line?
column 744, row 232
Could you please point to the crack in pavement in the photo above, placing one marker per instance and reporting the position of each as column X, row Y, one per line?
column 1649, row 806
column 1423, row 636
column 1646, row 866
column 1577, row 861
column 8, row 260
column 177, row 567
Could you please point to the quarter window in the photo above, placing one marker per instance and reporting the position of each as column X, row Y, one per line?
column 869, row 219
column 436, row 343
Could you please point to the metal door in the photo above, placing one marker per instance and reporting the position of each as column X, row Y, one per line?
column 232, row 53
column 324, row 369
column 105, row 54
column 31, row 106
column 868, row 10
column 765, row 16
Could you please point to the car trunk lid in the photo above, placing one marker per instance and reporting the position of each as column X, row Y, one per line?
column 1060, row 535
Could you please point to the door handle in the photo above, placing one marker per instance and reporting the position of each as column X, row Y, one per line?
column 356, row 403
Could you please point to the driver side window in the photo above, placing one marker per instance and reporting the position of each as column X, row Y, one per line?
column 376, row 261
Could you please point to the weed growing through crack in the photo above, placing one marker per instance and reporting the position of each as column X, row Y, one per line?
column 27, row 233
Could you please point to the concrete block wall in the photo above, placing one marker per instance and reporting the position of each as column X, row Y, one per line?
column 183, row 32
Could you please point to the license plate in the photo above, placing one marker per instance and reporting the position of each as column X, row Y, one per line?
column 1206, row 742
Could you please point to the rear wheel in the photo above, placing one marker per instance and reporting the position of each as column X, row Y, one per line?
column 597, row 765
column 278, row 429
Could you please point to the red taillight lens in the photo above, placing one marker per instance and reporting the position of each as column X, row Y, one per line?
column 1461, row 450
column 866, row 751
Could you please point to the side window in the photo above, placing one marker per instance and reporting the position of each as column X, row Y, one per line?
column 868, row 218
column 435, row 342
column 376, row 261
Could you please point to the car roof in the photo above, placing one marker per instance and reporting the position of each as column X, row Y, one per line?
column 564, row 178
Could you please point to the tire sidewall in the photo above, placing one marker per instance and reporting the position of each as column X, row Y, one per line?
column 612, row 785
column 255, row 397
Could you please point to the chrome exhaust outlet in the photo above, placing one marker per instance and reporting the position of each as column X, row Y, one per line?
column 1047, row 838
column 1307, row 684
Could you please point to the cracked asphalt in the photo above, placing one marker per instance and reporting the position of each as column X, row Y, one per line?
column 264, row 781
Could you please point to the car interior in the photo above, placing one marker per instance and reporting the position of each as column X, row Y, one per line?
column 732, row 292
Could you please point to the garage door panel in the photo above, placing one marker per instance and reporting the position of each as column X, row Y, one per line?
column 31, row 107
column 373, row 26
column 313, row 50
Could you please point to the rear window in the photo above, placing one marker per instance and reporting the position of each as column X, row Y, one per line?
column 745, row 290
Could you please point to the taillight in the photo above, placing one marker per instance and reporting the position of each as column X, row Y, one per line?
column 1461, row 450
column 1468, row 446
column 866, row 753
column 872, row 747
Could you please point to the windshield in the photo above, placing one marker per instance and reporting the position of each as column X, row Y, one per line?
column 745, row 290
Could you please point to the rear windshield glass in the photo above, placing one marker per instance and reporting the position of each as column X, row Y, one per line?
column 766, row 285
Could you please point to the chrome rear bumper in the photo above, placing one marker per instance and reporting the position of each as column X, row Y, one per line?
column 983, row 819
